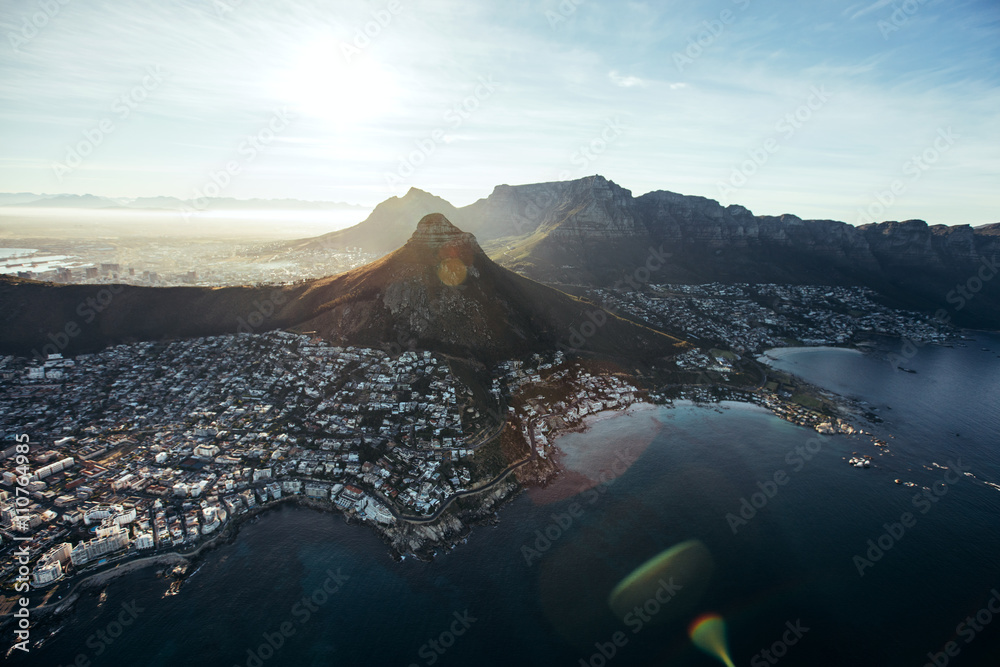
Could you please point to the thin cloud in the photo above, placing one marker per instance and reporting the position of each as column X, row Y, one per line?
column 879, row 4
column 626, row 81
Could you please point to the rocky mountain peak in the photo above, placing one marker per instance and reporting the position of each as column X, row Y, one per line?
column 435, row 232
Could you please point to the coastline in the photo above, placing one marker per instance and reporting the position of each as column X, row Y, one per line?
column 423, row 540
column 405, row 538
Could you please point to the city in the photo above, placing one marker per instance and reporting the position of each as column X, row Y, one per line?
column 153, row 447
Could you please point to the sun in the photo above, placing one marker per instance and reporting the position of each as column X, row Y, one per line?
column 322, row 82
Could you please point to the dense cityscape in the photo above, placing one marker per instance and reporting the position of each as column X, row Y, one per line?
column 167, row 262
column 751, row 318
column 151, row 447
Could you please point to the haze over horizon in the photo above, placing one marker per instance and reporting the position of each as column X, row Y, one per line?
column 818, row 111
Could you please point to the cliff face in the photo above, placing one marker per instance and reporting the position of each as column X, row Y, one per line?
column 593, row 232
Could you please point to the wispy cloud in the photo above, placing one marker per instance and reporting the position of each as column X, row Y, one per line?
column 625, row 81
column 857, row 13
column 355, row 120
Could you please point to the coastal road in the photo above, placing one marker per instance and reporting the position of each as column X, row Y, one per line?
column 486, row 487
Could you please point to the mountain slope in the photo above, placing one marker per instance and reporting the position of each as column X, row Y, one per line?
column 593, row 232
column 439, row 292
column 388, row 226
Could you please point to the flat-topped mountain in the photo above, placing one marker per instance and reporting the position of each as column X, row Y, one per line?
column 592, row 231
column 439, row 292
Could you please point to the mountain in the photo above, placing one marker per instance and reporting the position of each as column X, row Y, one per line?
column 59, row 201
column 597, row 233
column 30, row 200
column 231, row 204
column 388, row 226
column 593, row 232
column 18, row 198
column 439, row 292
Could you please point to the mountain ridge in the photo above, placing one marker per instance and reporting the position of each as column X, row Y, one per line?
column 439, row 291
column 593, row 232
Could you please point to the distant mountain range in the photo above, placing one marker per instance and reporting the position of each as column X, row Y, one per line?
column 439, row 291
column 30, row 200
column 593, row 232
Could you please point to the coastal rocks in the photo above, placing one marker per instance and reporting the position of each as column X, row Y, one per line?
column 425, row 539
column 860, row 461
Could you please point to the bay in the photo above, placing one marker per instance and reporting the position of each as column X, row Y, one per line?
column 533, row 589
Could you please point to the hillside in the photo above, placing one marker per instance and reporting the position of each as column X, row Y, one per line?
column 438, row 292
column 593, row 232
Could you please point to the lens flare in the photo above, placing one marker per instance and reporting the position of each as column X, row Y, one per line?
column 687, row 565
column 708, row 632
column 452, row 271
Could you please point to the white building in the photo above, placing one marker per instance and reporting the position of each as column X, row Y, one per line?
column 115, row 540
column 49, row 567
column 144, row 541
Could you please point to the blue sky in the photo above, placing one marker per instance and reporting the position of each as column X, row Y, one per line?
column 846, row 110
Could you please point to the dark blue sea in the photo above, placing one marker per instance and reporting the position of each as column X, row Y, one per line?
column 510, row 597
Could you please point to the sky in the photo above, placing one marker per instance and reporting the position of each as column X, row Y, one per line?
column 854, row 111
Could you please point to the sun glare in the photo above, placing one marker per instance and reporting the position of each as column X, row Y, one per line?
column 322, row 82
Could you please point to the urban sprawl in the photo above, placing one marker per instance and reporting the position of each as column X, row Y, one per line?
column 151, row 447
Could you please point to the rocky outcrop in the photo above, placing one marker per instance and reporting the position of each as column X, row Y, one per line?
column 441, row 292
column 592, row 231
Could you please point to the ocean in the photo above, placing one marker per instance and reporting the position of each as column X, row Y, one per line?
column 783, row 518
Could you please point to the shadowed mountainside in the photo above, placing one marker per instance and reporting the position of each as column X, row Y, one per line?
column 594, row 232
column 439, row 292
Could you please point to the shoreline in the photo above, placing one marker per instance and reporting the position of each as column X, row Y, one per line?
column 422, row 540
column 426, row 540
